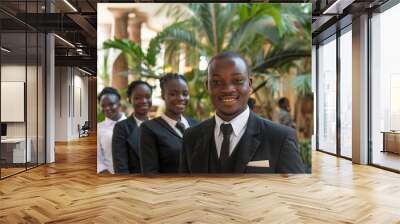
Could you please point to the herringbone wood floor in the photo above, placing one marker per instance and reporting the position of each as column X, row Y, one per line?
column 70, row 191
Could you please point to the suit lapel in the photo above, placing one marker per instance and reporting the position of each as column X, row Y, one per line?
column 133, row 137
column 190, row 121
column 201, row 149
column 167, row 126
column 250, row 142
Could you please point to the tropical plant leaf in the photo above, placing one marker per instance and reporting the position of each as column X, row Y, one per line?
column 302, row 84
column 280, row 59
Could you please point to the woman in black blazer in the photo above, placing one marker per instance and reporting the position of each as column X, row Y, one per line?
column 161, row 138
column 125, row 141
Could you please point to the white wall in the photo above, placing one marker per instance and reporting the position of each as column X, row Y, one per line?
column 12, row 73
column 61, row 103
column 33, row 127
column 71, row 102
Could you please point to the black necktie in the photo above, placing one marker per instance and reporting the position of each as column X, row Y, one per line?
column 226, row 131
column 180, row 126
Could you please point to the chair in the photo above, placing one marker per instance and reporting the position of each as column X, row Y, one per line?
column 84, row 129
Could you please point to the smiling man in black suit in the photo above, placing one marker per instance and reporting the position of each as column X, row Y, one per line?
column 237, row 140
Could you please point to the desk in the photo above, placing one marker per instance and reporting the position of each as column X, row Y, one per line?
column 391, row 141
column 15, row 148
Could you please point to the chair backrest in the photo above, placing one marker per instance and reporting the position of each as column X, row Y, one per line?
column 86, row 125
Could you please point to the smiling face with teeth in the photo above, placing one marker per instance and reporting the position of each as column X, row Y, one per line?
column 228, row 86
column 176, row 95
column 141, row 101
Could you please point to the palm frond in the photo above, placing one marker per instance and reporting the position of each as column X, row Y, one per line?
column 132, row 50
column 302, row 84
column 246, row 31
column 280, row 59
column 153, row 50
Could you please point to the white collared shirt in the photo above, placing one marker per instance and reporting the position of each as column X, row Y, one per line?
column 239, row 124
column 173, row 122
column 138, row 121
column 104, row 144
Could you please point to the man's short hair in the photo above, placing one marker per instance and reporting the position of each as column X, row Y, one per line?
column 228, row 54
column 108, row 90
column 283, row 101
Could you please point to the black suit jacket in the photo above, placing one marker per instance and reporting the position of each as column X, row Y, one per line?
column 160, row 146
column 125, row 146
column 262, row 140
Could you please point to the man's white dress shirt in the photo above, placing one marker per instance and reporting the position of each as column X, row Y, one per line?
column 239, row 124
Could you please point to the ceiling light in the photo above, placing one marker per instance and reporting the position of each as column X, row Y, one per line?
column 5, row 50
column 337, row 7
column 70, row 5
column 84, row 71
column 331, row 7
column 64, row 40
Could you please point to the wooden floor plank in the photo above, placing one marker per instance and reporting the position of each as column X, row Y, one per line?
column 70, row 191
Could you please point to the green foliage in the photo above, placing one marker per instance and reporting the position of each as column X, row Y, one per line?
column 271, row 37
column 139, row 63
column 305, row 152
column 236, row 27
column 199, row 103
column 103, row 73
column 302, row 84
column 100, row 114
